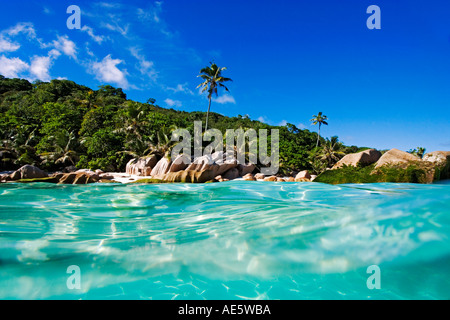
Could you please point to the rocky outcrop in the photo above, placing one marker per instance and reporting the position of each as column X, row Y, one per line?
column 161, row 168
column 79, row 177
column 231, row 174
column 303, row 175
column 184, row 169
column 260, row 176
column 189, row 176
column 245, row 169
column 181, row 162
column 363, row 158
column 441, row 161
column 28, row 172
column 249, row 177
column 424, row 171
column 270, row 179
column 394, row 157
column 441, row 158
column 70, row 169
column 142, row 166
column 211, row 169
column 5, row 177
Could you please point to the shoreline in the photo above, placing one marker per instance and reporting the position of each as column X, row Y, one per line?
column 124, row 178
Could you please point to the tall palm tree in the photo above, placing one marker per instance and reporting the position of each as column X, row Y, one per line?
column 213, row 79
column 319, row 119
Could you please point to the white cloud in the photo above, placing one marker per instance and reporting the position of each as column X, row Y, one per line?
column 90, row 32
column 180, row 88
column 282, row 123
column 107, row 71
column 11, row 68
column 8, row 46
column 22, row 27
column 263, row 119
column 108, row 5
column 65, row 45
column 152, row 15
column 123, row 31
column 40, row 67
column 226, row 98
column 148, row 15
column 54, row 53
column 145, row 67
column 173, row 103
column 47, row 10
column 88, row 50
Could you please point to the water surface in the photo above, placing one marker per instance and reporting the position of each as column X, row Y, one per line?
column 233, row 240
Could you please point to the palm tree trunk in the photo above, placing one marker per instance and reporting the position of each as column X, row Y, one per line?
column 318, row 136
column 207, row 115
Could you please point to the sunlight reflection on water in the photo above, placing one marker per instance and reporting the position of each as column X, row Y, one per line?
column 228, row 240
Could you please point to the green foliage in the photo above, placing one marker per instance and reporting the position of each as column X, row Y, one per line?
column 349, row 174
column 14, row 85
column 212, row 80
column 60, row 123
column 420, row 152
column 319, row 119
column 295, row 145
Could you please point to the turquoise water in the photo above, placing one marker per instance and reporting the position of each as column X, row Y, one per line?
column 233, row 240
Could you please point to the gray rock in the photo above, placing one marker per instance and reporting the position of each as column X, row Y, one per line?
column 231, row 174
column 303, row 175
column 28, row 172
column 365, row 157
column 161, row 168
column 395, row 156
column 142, row 166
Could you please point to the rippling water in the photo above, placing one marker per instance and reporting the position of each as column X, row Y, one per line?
column 234, row 240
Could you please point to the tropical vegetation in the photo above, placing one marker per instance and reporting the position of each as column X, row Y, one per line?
column 59, row 124
column 212, row 80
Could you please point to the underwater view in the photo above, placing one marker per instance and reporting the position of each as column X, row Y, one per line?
column 231, row 240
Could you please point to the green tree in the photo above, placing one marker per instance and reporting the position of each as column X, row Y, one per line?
column 332, row 151
column 420, row 151
column 63, row 150
column 319, row 119
column 213, row 80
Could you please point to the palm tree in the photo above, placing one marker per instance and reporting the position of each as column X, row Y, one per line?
column 420, row 151
column 63, row 153
column 213, row 79
column 159, row 144
column 332, row 151
column 319, row 119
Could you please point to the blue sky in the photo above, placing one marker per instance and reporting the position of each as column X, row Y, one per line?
column 289, row 60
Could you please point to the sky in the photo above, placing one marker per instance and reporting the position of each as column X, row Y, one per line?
column 383, row 88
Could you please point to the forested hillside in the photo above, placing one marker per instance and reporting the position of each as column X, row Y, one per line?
column 58, row 124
